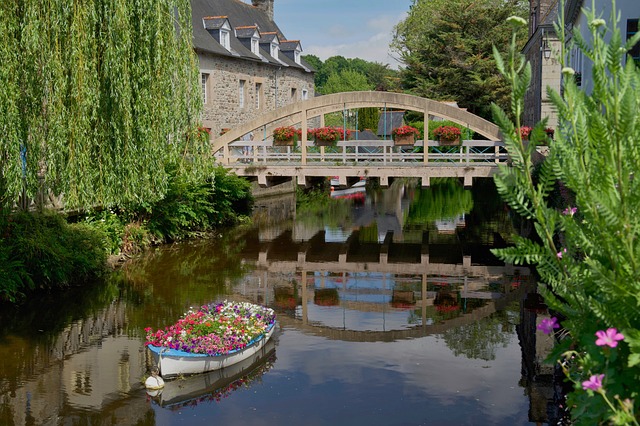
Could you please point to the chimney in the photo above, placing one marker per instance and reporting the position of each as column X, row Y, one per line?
column 265, row 5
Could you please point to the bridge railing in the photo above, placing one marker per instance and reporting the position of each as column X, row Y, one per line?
column 382, row 152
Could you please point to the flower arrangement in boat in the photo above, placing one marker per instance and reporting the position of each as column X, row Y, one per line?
column 285, row 133
column 214, row 329
column 405, row 131
column 447, row 133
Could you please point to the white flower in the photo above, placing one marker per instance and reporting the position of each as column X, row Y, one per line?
column 568, row 71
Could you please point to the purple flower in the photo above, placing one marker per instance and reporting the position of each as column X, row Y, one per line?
column 548, row 324
column 570, row 211
column 608, row 338
column 594, row 383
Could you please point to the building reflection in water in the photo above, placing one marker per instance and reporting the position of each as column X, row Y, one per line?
column 368, row 278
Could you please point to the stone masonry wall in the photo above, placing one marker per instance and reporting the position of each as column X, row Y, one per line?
column 279, row 86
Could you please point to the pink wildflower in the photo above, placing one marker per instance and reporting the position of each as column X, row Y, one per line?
column 548, row 324
column 570, row 211
column 594, row 383
column 561, row 252
column 609, row 337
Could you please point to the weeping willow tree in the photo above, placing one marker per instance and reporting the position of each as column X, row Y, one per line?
column 97, row 96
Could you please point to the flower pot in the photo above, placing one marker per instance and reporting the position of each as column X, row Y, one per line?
column 285, row 142
column 449, row 142
column 409, row 139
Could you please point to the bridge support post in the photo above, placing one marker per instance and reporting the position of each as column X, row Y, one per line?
column 426, row 181
column 468, row 181
column 303, row 137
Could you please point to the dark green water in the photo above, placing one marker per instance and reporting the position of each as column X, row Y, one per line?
column 391, row 311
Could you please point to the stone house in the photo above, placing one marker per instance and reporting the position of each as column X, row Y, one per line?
column 247, row 65
column 543, row 46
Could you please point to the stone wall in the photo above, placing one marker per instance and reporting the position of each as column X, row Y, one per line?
column 278, row 86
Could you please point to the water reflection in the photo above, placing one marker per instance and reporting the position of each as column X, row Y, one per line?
column 385, row 318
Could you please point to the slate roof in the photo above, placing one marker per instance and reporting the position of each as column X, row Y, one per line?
column 392, row 120
column 241, row 15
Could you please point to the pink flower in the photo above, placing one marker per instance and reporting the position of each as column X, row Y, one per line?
column 608, row 338
column 560, row 253
column 594, row 383
column 570, row 211
column 548, row 324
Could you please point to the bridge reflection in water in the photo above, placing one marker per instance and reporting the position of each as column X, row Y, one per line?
column 368, row 291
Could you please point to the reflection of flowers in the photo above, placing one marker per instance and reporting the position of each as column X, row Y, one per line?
column 326, row 297
column 214, row 329
column 223, row 392
column 447, row 308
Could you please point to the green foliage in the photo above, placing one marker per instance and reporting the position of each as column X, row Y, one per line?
column 97, row 97
column 445, row 199
column 588, row 258
column 109, row 226
column 53, row 252
column 446, row 46
column 368, row 119
column 378, row 76
column 191, row 207
column 346, row 81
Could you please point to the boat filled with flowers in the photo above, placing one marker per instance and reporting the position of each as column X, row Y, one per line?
column 212, row 337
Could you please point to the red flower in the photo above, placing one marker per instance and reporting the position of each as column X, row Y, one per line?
column 405, row 130
column 447, row 132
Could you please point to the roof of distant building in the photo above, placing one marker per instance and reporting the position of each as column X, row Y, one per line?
column 211, row 15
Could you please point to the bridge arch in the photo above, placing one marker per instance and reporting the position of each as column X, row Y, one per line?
column 300, row 112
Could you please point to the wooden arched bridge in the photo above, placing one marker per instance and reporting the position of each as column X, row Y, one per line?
column 359, row 158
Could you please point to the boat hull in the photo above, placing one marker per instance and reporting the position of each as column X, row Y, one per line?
column 173, row 363
column 190, row 390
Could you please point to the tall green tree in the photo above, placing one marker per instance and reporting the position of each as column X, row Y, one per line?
column 96, row 97
column 346, row 81
column 446, row 46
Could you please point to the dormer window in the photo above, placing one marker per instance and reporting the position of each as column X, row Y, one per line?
column 292, row 49
column 219, row 28
column 225, row 39
column 274, row 50
column 255, row 46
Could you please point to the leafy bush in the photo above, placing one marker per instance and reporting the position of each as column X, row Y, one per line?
column 53, row 252
column 586, row 251
column 109, row 226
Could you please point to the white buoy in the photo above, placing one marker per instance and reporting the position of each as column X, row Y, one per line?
column 154, row 381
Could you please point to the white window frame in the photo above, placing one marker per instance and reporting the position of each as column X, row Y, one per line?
column 241, row 92
column 204, row 84
column 225, row 38
column 255, row 46
column 274, row 50
column 305, row 94
column 296, row 56
column 258, row 95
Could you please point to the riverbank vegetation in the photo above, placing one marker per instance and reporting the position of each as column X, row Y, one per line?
column 85, row 125
column 587, row 247
column 48, row 250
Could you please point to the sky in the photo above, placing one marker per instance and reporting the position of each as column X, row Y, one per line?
column 350, row 28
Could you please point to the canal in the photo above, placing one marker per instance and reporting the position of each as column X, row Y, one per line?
column 391, row 311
